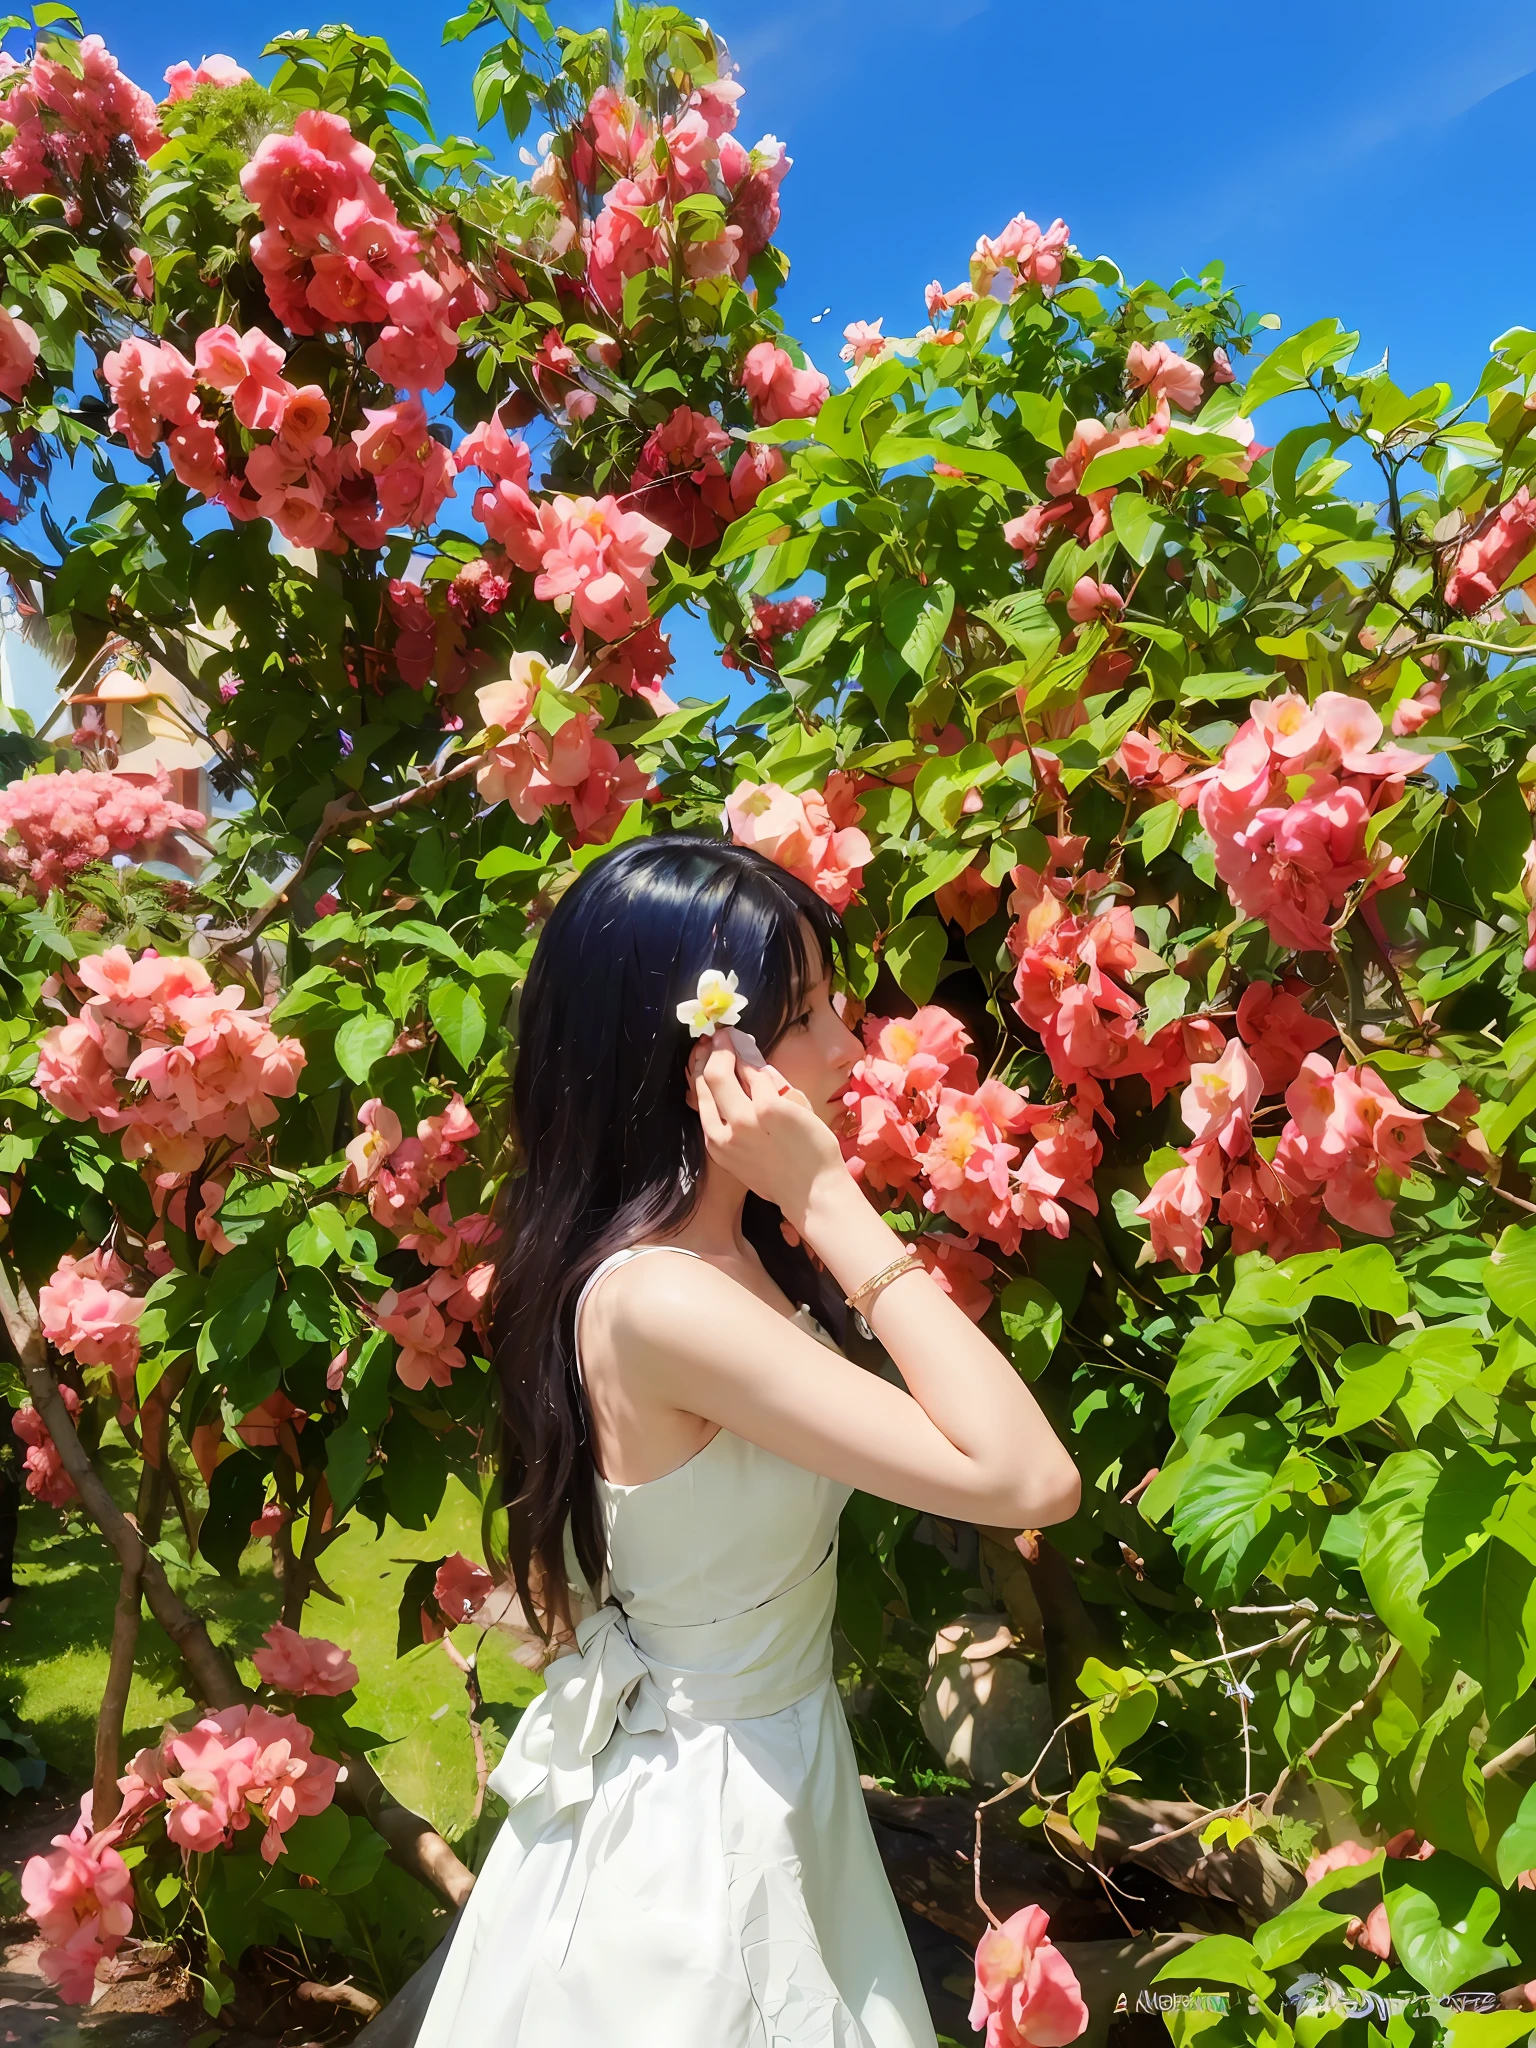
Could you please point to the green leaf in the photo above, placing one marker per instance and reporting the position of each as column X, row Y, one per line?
column 459, row 1016
column 1308, row 1920
column 314, row 1842
column 323, row 1235
column 1392, row 1561
column 944, row 782
column 1510, row 1274
column 1367, row 1276
column 1517, row 1844
column 1441, row 1912
column 914, row 952
column 1219, row 1361
column 1032, row 1319
column 1137, row 528
column 362, row 1040
column 895, row 449
column 1168, row 996
column 1373, row 1379
column 1219, row 1959
column 915, row 619
column 235, row 1495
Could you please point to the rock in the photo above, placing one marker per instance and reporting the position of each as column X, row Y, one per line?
column 985, row 1711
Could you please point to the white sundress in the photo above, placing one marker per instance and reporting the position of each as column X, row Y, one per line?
column 687, row 1862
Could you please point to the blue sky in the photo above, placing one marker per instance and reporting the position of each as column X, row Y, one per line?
column 1351, row 160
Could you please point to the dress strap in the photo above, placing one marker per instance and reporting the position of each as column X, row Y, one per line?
column 605, row 1266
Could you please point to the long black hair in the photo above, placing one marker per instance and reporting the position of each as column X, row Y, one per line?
column 611, row 1152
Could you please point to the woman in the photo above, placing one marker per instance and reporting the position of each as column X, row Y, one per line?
column 686, row 1861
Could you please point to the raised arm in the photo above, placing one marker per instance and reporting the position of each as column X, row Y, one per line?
column 967, row 1439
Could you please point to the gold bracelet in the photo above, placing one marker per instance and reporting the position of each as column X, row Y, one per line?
column 864, row 1296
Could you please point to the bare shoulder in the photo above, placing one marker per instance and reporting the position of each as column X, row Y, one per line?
column 656, row 1301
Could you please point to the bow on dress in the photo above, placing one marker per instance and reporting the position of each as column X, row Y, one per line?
column 603, row 1684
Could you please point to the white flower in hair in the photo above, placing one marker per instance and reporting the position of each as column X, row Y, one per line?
column 717, row 1002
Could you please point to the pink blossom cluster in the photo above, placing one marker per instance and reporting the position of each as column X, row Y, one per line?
column 1288, row 806
column 777, row 389
column 682, row 483
column 651, row 169
column 1023, row 254
column 305, row 1666
column 589, row 557
column 532, row 769
column 923, row 1124
column 333, row 253
column 1087, row 519
column 814, row 834
column 1492, row 553
column 401, row 1175
column 427, row 1320
column 18, row 355
column 1027, row 1994
column 182, row 80
column 1345, row 1130
column 81, row 1896
column 162, row 1055
column 318, row 489
column 1069, row 984
column 87, row 1313
column 66, row 114
column 232, row 1767
column 55, row 825
column 46, row 1479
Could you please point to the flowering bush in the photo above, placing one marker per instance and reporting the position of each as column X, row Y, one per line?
column 1175, row 799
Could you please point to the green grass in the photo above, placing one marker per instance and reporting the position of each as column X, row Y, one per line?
column 55, row 1639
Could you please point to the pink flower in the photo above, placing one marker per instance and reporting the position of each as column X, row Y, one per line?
column 81, row 1897
column 679, row 478
column 968, row 901
column 304, row 1665
column 151, row 385
column 46, row 1481
column 1222, row 371
column 461, row 1588
column 1416, row 711
column 491, row 449
column 595, row 561
column 862, row 342
column 64, row 114
column 184, row 81
column 1026, row 1993
column 420, row 340
column 249, row 369
column 1024, row 253
column 86, row 1314
column 1091, row 437
column 18, row 355
column 1491, row 555
column 1165, row 374
column 379, row 1135
column 1221, row 1098
column 960, row 1269
column 798, row 833
column 240, row 1764
column 429, row 1353
column 1090, row 600
column 60, row 824
column 1279, row 1033
column 777, row 390
column 1178, row 1206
